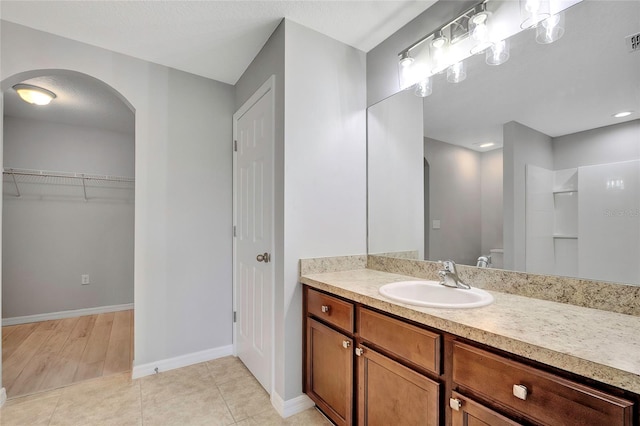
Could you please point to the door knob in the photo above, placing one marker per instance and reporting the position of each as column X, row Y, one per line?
column 265, row 257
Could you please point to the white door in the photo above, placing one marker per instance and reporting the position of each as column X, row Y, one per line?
column 253, row 219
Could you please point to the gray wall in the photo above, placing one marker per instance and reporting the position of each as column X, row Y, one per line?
column 522, row 146
column 382, row 61
column 182, row 264
column 610, row 144
column 325, row 167
column 454, row 199
column 50, row 242
column 491, row 196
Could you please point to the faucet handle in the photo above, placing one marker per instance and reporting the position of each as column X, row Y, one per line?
column 449, row 266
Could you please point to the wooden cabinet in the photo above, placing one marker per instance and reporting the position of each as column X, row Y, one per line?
column 367, row 367
column 391, row 394
column 330, row 371
column 542, row 397
column 467, row 412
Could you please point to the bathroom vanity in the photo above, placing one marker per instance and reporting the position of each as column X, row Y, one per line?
column 520, row 360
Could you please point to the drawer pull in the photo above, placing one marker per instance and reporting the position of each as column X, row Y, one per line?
column 359, row 351
column 346, row 344
column 520, row 391
column 325, row 308
column 455, row 404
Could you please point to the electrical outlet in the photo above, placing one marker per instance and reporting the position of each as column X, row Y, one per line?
column 85, row 279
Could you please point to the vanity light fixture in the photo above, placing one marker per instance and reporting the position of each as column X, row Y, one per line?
column 622, row 114
column 424, row 88
column 33, row 94
column 405, row 59
column 532, row 12
column 498, row 53
column 479, row 30
column 551, row 29
column 439, row 40
column 457, row 72
column 487, row 145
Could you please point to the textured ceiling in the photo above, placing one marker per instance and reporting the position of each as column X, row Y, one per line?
column 214, row 39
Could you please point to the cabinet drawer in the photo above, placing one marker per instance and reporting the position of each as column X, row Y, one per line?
column 330, row 309
column 549, row 399
column 471, row 413
column 419, row 347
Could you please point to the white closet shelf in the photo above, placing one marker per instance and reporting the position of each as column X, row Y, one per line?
column 16, row 177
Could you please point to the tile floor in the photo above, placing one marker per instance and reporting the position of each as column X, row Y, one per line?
column 218, row 392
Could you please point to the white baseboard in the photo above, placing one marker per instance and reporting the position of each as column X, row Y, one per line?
column 181, row 361
column 3, row 396
column 292, row 406
column 66, row 314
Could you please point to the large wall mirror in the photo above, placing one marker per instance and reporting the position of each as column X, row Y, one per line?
column 522, row 163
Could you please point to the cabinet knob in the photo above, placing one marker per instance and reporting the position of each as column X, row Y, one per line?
column 359, row 351
column 455, row 404
column 520, row 391
column 325, row 308
column 346, row 344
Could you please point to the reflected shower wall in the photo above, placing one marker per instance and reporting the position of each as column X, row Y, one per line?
column 585, row 221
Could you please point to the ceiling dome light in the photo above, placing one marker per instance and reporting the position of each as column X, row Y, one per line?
column 33, row 94
column 622, row 114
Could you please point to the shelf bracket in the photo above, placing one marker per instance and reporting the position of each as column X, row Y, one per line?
column 84, row 187
column 15, row 183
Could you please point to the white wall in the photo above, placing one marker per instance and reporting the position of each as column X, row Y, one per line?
column 522, row 146
column 183, row 188
column 50, row 241
column 395, row 171
column 325, row 167
column 454, row 192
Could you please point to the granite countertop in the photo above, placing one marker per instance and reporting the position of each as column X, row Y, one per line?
column 602, row 345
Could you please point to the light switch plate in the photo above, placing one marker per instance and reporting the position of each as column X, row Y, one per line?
column 436, row 224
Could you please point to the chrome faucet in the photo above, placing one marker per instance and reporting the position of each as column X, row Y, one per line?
column 449, row 275
column 484, row 261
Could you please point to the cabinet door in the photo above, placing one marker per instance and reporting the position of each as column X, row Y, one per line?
column 470, row 413
column 391, row 394
column 330, row 371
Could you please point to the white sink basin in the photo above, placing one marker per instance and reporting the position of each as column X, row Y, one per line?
column 434, row 295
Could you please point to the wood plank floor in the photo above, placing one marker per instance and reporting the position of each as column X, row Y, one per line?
column 50, row 354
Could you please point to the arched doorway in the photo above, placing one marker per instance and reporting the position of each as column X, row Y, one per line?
column 68, row 222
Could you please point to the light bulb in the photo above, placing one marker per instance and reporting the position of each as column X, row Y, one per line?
column 457, row 72
column 424, row 87
column 532, row 12
column 498, row 53
column 551, row 29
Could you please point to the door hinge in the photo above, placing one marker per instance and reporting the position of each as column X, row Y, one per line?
column 235, row 146
column 234, row 316
column 234, row 230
